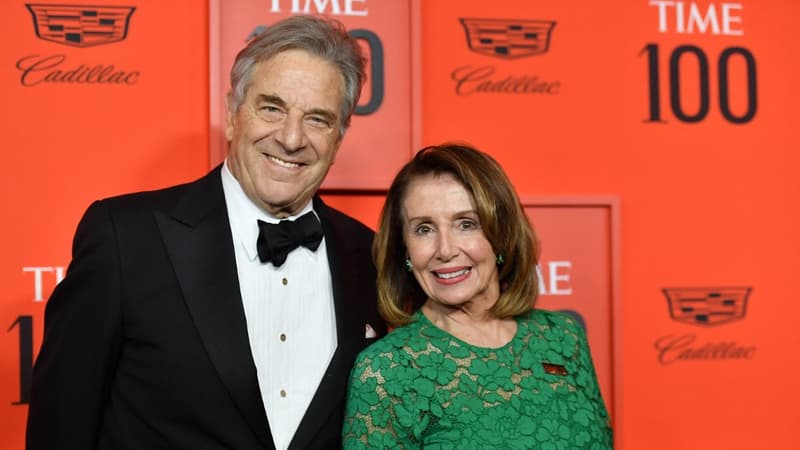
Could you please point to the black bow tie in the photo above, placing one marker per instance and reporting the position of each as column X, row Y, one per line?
column 276, row 240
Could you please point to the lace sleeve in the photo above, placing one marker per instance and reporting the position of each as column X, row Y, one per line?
column 370, row 419
column 586, row 378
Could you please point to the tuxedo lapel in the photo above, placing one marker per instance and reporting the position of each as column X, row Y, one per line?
column 349, row 325
column 198, row 239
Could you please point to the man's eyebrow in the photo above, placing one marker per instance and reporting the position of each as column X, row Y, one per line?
column 277, row 100
column 271, row 98
column 326, row 113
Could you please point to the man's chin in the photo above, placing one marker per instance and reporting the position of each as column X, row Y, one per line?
column 284, row 205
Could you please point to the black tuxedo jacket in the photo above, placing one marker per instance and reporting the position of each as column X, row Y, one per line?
column 145, row 343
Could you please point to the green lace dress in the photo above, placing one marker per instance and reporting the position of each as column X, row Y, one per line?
column 420, row 387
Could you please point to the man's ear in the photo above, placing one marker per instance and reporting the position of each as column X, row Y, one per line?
column 336, row 150
column 229, row 126
column 230, row 120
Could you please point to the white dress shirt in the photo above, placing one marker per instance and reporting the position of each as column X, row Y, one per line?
column 290, row 315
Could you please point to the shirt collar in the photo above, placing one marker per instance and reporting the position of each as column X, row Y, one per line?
column 244, row 214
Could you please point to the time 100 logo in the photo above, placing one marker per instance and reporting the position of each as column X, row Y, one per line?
column 721, row 69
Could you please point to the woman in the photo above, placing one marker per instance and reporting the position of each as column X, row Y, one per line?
column 470, row 363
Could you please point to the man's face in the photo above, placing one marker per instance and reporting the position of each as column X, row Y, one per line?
column 285, row 134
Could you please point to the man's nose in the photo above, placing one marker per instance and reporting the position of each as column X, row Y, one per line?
column 291, row 134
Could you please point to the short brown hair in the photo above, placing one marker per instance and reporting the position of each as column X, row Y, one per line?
column 502, row 218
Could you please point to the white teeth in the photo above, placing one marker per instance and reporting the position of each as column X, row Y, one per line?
column 282, row 163
column 449, row 275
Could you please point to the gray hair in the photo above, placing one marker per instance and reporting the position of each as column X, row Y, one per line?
column 322, row 37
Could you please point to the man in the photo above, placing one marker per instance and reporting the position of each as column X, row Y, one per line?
column 188, row 319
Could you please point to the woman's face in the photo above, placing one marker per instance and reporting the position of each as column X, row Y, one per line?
column 450, row 256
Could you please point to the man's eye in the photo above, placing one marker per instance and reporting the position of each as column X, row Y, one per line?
column 319, row 122
column 270, row 113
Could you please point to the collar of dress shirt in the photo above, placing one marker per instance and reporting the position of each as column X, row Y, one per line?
column 243, row 213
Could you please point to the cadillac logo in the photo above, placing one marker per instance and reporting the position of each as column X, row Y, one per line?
column 81, row 25
column 508, row 38
column 707, row 306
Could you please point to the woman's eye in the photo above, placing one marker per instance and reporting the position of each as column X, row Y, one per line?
column 467, row 225
column 422, row 229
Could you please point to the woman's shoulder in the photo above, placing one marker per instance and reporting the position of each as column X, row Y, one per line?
column 564, row 320
column 398, row 339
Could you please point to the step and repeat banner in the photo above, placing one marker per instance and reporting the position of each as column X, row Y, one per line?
column 101, row 98
column 684, row 111
column 651, row 142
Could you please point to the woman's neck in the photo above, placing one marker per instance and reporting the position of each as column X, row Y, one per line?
column 475, row 326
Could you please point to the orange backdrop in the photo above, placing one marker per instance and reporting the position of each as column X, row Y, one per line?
column 72, row 139
column 677, row 111
column 706, row 203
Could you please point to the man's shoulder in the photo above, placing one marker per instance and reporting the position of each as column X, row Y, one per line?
column 161, row 197
column 344, row 222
